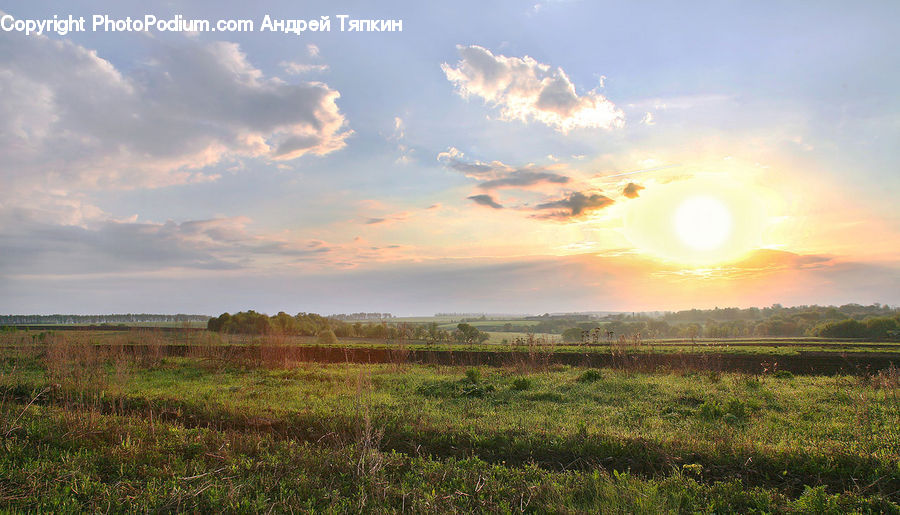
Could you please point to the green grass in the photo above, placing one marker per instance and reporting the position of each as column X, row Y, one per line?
column 197, row 435
column 124, row 464
column 492, row 323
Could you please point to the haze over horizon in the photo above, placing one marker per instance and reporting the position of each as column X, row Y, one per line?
column 558, row 156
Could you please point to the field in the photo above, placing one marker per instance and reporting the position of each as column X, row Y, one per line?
column 187, row 420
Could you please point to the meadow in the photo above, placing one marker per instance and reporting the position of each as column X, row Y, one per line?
column 115, row 421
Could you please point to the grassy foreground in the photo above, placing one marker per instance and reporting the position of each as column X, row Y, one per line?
column 79, row 432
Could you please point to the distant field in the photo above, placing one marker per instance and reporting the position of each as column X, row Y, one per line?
column 499, row 337
column 493, row 323
column 498, row 341
column 801, row 356
column 196, row 324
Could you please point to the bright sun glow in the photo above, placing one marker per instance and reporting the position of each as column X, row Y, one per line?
column 703, row 223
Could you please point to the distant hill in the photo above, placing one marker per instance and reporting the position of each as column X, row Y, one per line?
column 128, row 318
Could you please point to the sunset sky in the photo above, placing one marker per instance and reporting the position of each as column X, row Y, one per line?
column 500, row 157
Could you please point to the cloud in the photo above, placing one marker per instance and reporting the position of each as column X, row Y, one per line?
column 573, row 206
column 497, row 175
column 524, row 89
column 380, row 213
column 522, row 178
column 632, row 190
column 566, row 284
column 453, row 158
column 293, row 68
column 399, row 136
column 71, row 119
column 312, row 49
column 33, row 247
column 648, row 119
column 388, row 219
column 485, row 200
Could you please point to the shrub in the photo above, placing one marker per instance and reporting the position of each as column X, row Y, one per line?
column 327, row 337
column 572, row 335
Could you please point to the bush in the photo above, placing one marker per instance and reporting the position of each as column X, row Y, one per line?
column 572, row 335
column 473, row 375
column 327, row 337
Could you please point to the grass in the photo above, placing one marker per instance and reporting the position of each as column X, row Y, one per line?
column 153, row 433
column 127, row 465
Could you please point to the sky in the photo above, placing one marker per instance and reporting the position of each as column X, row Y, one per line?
column 499, row 157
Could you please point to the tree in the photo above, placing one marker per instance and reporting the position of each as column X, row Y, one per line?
column 327, row 337
column 572, row 335
column 470, row 334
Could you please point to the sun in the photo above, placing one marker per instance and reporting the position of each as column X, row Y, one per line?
column 702, row 222
column 699, row 222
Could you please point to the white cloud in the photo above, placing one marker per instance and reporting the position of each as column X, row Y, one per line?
column 293, row 68
column 312, row 49
column 399, row 136
column 524, row 89
column 70, row 120
column 648, row 119
column 398, row 127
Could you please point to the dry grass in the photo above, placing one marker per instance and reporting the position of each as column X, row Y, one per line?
column 538, row 353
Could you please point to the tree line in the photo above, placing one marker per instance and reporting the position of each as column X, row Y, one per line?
column 312, row 324
column 797, row 324
column 124, row 318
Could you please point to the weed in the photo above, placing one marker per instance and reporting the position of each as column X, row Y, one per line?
column 521, row 384
column 590, row 376
column 710, row 410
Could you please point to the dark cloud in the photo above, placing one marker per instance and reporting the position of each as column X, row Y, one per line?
column 523, row 178
column 218, row 244
column 373, row 221
column 475, row 169
column 573, row 206
column 632, row 190
column 496, row 174
column 455, row 160
column 485, row 200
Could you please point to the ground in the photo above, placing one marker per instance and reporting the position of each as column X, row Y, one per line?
column 88, row 427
